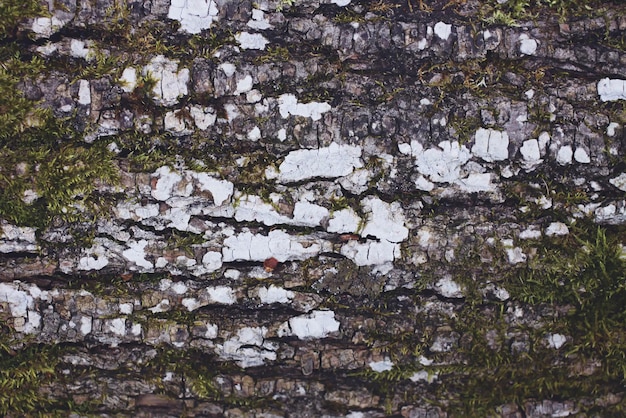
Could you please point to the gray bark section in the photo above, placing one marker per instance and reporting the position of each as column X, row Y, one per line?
column 375, row 276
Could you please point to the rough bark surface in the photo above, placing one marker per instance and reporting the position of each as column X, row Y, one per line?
column 347, row 208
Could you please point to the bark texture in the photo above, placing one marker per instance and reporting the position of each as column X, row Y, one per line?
column 346, row 208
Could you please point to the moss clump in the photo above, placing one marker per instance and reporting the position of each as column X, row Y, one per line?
column 47, row 172
column 508, row 13
column 587, row 274
column 12, row 12
column 22, row 374
column 192, row 365
column 61, row 178
column 579, row 286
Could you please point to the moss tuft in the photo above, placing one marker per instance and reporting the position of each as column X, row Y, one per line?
column 13, row 12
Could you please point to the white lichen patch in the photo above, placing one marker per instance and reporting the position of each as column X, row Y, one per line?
column 253, row 208
column 86, row 324
column 278, row 244
column 422, row 184
column 288, row 105
column 212, row 261
column 136, row 330
column 612, row 90
column 564, row 155
column 128, row 80
column 259, row 20
column 179, row 214
column 611, row 128
column 341, row 3
column 29, row 196
column 581, row 156
column 619, row 182
column 194, row 15
column 309, row 214
column 557, row 228
column 136, row 254
column 443, row 164
column 170, row 82
column 329, row 162
column 47, row 49
column 317, row 324
column 381, row 366
column 528, row 46
column 491, row 145
column 42, row 26
column 514, row 254
column 531, row 232
column 17, row 239
column 248, row 347
column 228, row 68
column 501, row 293
column 384, row 220
column 179, row 288
column 21, row 303
column 274, row 294
column 443, row 30
column 357, row 182
column 168, row 185
column 244, row 85
column 556, row 341
column 531, row 154
column 371, row 252
column 477, row 182
column 174, row 123
column 96, row 261
column 126, row 308
column 191, row 303
column 344, row 221
column 221, row 294
column 185, row 262
column 84, row 93
column 425, row 376
column 166, row 181
column 202, row 116
column 116, row 326
column 165, row 284
column 221, row 190
column 135, row 211
column 78, row 49
column 251, row 40
column 254, row 134
column 162, row 306
column 255, row 96
column 448, row 288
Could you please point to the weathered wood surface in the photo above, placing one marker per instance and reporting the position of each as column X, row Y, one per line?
column 353, row 208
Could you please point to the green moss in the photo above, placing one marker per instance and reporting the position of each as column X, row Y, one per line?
column 274, row 54
column 579, row 282
column 99, row 63
column 463, row 127
column 192, row 365
column 348, row 16
column 44, row 156
column 13, row 12
column 22, row 375
column 508, row 13
column 64, row 177
column 17, row 114
column 185, row 241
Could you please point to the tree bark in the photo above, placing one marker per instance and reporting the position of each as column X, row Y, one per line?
column 310, row 209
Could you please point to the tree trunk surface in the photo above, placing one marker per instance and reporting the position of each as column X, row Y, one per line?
column 345, row 208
